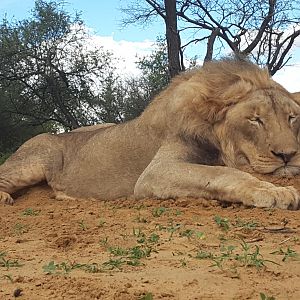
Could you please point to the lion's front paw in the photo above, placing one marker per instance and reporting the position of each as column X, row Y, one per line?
column 269, row 195
column 6, row 198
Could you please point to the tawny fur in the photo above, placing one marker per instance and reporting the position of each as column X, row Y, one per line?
column 202, row 136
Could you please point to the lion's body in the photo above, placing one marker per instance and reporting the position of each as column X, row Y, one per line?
column 201, row 137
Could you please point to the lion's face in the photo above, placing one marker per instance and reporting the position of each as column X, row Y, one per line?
column 261, row 134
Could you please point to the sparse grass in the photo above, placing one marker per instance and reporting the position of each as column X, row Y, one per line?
column 265, row 297
column 61, row 268
column 104, row 242
column 20, row 229
column 140, row 236
column 30, row 212
column 8, row 263
column 101, row 223
column 223, row 223
column 246, row 256
column 147, row 296
column 246, row 224
column 158, row 211
column 153, row 238
column 130, row 256
column 82, row 225
column 64, row 268
column 287, row 254
column 8, row 277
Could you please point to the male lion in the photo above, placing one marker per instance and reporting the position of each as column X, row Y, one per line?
column 201, row 137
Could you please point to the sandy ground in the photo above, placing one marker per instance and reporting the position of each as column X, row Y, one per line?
column 149, row 249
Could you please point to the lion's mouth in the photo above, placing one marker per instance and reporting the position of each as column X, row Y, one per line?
column 287, row 171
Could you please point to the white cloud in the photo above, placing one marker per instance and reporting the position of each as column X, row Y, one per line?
column 289, row 77
column 127, row 52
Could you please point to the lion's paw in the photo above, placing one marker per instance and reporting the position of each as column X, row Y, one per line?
column 272, row 196
column 6, row 198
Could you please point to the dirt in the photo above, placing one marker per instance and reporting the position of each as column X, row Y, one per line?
column 146, row 249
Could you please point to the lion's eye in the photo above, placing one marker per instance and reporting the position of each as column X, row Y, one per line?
column 292, row 118
column 256, row 120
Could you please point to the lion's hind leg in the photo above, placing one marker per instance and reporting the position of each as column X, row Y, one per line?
column 26, row 167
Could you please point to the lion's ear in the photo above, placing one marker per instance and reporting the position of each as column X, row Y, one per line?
column 296, row 97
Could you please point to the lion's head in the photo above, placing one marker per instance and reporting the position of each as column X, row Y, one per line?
column 261, row 132
column 236, row 106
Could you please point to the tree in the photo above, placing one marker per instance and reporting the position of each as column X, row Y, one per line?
column 123, row 99
column 48, row 61
column 264, row 30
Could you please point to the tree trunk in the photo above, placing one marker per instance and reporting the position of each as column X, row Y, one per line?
column 173, row 39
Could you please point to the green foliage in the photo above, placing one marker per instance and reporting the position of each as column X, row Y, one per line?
column 223, row 223
column 30, row 212
column 51, row 78
column 287, row 254
column 8, row 263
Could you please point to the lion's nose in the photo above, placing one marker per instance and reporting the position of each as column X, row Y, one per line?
column 285, row 156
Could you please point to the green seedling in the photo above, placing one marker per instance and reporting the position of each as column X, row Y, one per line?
column 8, row 263
column 62, row 268
column 187, row 233
column 265, row 297
column 30, row 212
column 104, row 241
column 223, row 223
column 101, row 223
column 82, row 225
column 92, row 268
column 20, row 229
column 158, row 211
column 288, row 254
column 137, row 232
column 114, row 263
column 8, row 277
column 246, row 224
column 147, row 296
column 153, row 238
column 204, row 255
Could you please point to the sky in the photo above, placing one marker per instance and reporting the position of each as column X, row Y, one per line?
column 104, row 18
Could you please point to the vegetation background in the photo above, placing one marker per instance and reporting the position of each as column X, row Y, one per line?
column 52, row 79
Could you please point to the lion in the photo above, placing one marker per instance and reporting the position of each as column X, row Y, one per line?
column 205, row 136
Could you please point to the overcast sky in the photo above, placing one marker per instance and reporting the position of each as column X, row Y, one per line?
column 104, row 18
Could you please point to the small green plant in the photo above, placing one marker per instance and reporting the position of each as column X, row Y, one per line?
column 153, row 238
column 101, row 223
column 246, row 255
column 8, row 277
column 114, row 263
column 288, row 254
column 141, row 237
column 246, row 224
column 30, row 212
column 172, row 228
column 8, row 263
column 104, row 241
column 147, row 296
column 178, row 212
column 92, row 268
column 20, row 229
column 204, row 255
column 158, row 211
column 250, row 258
column 265, row 297
column 187, row 233
column 140, row 219
column 82, row 225
column 223, row 223
column 130, row 256
column 118, row 251
column 62, row 268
